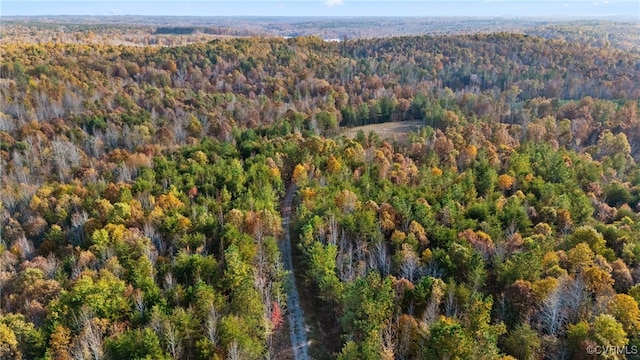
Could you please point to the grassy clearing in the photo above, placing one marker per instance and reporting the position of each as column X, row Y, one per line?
column 385, row 130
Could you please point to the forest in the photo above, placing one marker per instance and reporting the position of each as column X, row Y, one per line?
column 141, row 191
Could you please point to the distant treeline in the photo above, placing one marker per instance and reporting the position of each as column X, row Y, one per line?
column 188, row 30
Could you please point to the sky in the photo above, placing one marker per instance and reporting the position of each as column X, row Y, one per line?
column 570, row 9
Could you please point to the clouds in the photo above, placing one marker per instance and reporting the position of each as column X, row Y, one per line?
column 331, row 3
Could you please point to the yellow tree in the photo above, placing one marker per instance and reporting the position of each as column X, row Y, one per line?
column 299, row 175
column 506, row 182
column 625, row 309
column 8, row 343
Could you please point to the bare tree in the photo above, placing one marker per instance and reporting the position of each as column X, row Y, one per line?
column 431, row 312
column 5, row 278
column 123, row 173
column 169, row 282
column 139, row 304
column 234, row 351
column 149, row 230
column 344, row 262
column 77, row 350
column 88, row 344
column 82, row 317
column 78, row 219
column 51, row 266
column 552, row 314
column 94, row 146
column 379, row 258
column 432, row 269
column 410, row 262
column 573, row 296
column 211, row 325
column 65, row 155
column 333, row 229
column 360, row 258
column 20, row 170
column 173, row 338
column 93, row 338
column 388, row 340
column 25, row 247
column 112, row 135
column 7, row 123
column 450, row 306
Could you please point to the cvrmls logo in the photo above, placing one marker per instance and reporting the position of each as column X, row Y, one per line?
column 612, row 350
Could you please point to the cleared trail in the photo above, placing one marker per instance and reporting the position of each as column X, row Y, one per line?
column 299, row 342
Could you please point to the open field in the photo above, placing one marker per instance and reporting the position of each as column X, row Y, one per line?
column 385, row 130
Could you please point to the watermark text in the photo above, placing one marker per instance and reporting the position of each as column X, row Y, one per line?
column 613, row 350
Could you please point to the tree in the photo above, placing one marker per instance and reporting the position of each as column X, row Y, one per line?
column 589, row 236
column 327, row 121
column 322, row 270
column 150, row 177
column 520, row 299
column 621, row 276
column 135, row 344
column 577, row 335
column 59, row 343
column 239, row 278
column 299, row 175
column 447, row 340
column 506, row 181
column 31, row 339
column 478, row 324
column 347, row 201
column 104, row 295
column 523, row 342
column 408, row 336
column 553, row 315
column 89, row 342
column 368, row 306
column 625, row 309
column 8, row 343
column 409, row 262
column 608, row 332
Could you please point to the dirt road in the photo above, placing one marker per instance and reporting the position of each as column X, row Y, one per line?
column 299, row 342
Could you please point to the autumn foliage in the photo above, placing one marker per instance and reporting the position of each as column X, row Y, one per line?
column 141, row 190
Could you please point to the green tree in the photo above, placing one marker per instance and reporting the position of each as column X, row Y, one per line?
column 448, row 340
column 135, row 344
column 103, row 294
column 608, row 332
column 589, row 236
column 368, row 305
column 523, row 342
column 322, row 270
